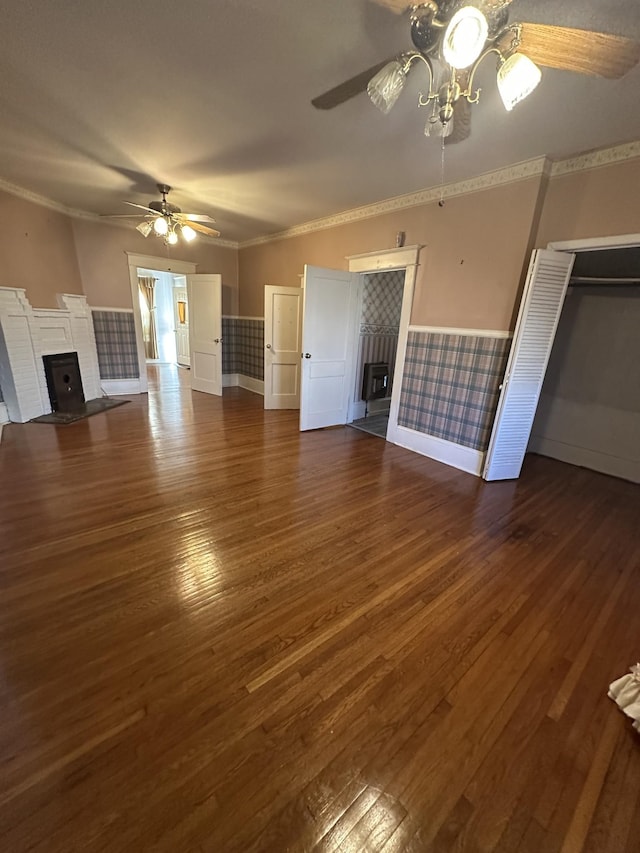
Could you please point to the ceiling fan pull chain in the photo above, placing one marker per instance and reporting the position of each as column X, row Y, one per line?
column 441, row 202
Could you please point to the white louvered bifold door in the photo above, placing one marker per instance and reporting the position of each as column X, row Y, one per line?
column 540, row 309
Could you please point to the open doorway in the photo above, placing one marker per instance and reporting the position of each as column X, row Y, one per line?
column 175, row 272
column 378, row 330
column 163, row 306
column 588, row 413
column 548, row 279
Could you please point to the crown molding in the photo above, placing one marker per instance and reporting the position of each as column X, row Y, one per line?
column 75, row 213
column 596, row 159
column 539, row 166
column 36, row 198
column 510, row 174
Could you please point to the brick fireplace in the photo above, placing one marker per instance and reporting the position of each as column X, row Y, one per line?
column 27, row 334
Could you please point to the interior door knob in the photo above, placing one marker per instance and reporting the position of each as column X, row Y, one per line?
column 217, row 340
column 268, row 346
column 307, row 355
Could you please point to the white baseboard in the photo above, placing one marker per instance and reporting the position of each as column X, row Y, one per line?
column 239, row 380
column 626, row 469
column 122, row 387
column 230, row 380
column 4, row 414
column 251, row 384
column 456, row 455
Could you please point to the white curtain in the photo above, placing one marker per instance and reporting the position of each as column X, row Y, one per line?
column 146, row 287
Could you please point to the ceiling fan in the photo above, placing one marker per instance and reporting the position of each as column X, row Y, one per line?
column 168, row 221
column 452, row 37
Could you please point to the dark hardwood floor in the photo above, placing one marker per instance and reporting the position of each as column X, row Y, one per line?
column 219, row 634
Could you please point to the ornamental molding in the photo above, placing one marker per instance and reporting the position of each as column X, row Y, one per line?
column 537, row 167
column 74, row 213
column 596, row 159
column 510, row 174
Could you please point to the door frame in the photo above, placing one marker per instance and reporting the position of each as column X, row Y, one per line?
column 151, row 262
column 407, row 259
column 621, row 241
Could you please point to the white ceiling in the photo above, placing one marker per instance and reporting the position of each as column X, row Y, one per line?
column 101, row 100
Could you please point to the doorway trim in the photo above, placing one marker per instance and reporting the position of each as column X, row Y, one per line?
column 405, row 258
column 160, row 265
column 622, row 241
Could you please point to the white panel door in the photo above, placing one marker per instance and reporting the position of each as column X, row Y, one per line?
column 542, row 301
column 283, row 342
column 204, row 297
column 329, row 311
column 181, row 325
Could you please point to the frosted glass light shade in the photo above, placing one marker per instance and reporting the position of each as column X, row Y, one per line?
column 160, row 226
column 465, row 37
column 172, row 238
column 145, row 228
column 518, row 76
column 384, row 89
column 188, row 233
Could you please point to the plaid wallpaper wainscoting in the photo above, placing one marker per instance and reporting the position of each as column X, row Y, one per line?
column 243, row 346
column 450, row 386
column 116, row 344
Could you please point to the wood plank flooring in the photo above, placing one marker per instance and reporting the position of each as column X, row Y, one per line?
column 219, row 634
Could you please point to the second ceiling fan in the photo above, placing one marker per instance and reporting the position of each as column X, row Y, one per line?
column 451, row 38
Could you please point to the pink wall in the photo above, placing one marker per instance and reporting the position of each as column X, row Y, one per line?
column 470, row 269
column 598, row 203
column 104, row 266
column 37, row 251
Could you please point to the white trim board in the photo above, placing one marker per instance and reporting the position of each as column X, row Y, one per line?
column 121, row 387
column 594, row 460
column 111, row 310
column 595, row 244
column 239, row 380
column 464, row 458
column 472, row 333
column 156, row 264
column 240, row 317
column 4, row 415
column 386, row 260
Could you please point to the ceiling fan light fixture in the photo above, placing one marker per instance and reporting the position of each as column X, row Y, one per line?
column 145, row 228
column 465, row 37
column 172, row 238
column 188, row 233
column 384, row 89
column 518, row 76
column 160, row 226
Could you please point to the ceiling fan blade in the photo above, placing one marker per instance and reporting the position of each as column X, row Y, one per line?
column 349, row 89
column 194, row 217
column 579, row 50
column 204, row 230
column 461, row 122
column 143, row 207
column 123, row 215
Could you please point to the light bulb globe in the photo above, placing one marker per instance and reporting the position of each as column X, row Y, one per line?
column 160, row 226
column 465, row 37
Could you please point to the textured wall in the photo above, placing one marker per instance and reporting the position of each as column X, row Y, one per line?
column 104, row 265
column 471, row 268
column 450, row 386
column 37, row 251
column 243, row 346
column 116, row 344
